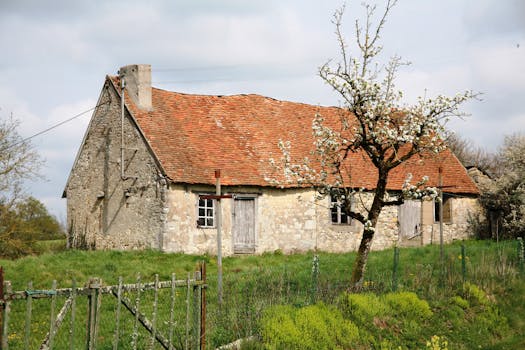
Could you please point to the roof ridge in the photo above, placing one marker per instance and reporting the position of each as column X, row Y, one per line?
column 117, row 78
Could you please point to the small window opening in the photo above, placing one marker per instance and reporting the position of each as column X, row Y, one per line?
column 338, row 213
column 206, row 213
column 447, row 209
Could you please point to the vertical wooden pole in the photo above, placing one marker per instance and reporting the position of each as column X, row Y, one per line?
column 73, row 313
column 29, row 309
column 195, row 328
column 135, row 335
column 154, row 318
column 52, row 314
column 203, row 307
column 463, row 263
column 5, row 313
column 94, row 300
column 187, row 312
column 395, row 269
column 117, row 315
column 441, row 249
column 219, row 235
column 172, row 311
column 2, row 307
column 441, row 252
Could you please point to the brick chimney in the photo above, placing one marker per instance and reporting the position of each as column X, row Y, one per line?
column 137, row 80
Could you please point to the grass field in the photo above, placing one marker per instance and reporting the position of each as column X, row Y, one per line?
column 252, row 284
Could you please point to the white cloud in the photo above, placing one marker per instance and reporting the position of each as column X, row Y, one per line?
column 500, row 65
column 58, row 54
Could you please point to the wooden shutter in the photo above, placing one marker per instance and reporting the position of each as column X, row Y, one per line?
column 409, row 217
column 244, row 225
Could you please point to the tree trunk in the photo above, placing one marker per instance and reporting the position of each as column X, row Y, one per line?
column 358, row 272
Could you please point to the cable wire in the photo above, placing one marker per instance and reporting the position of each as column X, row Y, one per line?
column 52, row 127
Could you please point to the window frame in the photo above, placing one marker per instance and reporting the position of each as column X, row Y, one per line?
column 335, row 206
column 447, row 209
column 207, row 205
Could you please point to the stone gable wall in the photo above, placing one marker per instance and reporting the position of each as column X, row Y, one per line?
column 142, row 211
column 104, row 211
column 292, row 220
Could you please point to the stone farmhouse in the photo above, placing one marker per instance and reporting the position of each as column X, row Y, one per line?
column 147, row 159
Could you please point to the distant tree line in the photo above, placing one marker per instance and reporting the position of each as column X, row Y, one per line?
column 502, row 184
column 22, row 224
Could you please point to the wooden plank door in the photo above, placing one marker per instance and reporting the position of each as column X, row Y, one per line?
column 244, row 225
column 409, row 217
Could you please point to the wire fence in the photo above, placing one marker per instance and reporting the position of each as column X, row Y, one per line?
column 249, row 292
column 140, row 315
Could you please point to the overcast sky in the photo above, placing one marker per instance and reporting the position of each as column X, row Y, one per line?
column 56, row 53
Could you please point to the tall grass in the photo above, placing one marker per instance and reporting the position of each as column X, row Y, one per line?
column 254, row 283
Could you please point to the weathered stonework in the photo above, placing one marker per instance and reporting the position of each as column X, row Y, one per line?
column 106, row 211
column 120, row 197
column 292, row 220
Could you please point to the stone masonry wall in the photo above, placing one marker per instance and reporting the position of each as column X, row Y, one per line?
column 292, row 220
column 104, row 211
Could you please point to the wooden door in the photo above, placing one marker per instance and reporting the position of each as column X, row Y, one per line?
column 409, row 217
column 244, row 225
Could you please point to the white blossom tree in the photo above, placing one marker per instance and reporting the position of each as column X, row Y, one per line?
column 506, row 196
column 375, row 122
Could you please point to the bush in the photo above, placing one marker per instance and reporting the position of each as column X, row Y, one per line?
column 362, row 308
column 313, row 327
column 389, row 320
column 408, row 305
column 475, row 295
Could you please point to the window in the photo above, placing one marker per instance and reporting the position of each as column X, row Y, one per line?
column 205, row 213
column 338, row 213
column 447, row 209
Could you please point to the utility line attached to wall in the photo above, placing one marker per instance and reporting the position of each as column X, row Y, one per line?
column 52, row 127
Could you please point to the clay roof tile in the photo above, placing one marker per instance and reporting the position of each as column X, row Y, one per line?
column 192, row 135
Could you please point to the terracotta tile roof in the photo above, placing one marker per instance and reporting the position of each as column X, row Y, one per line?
column 192, row 135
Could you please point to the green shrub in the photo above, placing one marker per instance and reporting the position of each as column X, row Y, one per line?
column 459, row 301
column 475, row 295
column 362, row 308
column 437, row 343
column 387, row 321
column 408, row 305
column 313, row 327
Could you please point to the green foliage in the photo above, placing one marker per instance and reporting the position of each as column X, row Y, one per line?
column 505, row 197
column 398, row 318
column 310, row 327
column 475, row 295
column 23, row 224
column 437, row 343
column 362, row 308
column 252, row 284
column 459, row 301
column 408, row 305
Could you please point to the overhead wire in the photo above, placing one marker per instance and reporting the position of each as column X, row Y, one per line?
column 227, row 67
column 52, row 127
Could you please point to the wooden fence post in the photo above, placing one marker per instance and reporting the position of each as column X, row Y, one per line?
column 93, row 311
column 203, row 307
column 52, row 314
column 117, row 315
column 73, row 313
column 2, row 307
column 5, row 314
column 29, row 310
column 521, row 254
column 395, row 269
column 196, row 308
column 172, row 311
column 463, row 264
